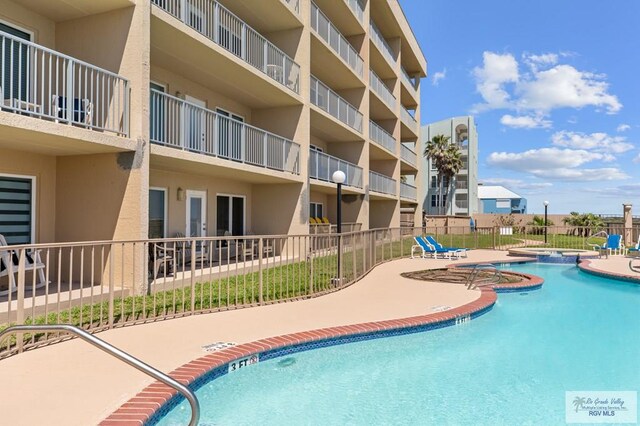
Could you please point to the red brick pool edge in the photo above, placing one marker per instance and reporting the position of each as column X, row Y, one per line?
column 140, row 408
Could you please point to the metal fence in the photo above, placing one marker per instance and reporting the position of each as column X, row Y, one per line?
column 40, row 82
column 408, row 119
column 329, row 33
column 322, row 166
column 328, row 100
column 180, row 124
column 381, row 183
column 381, row 44
column 382, row 137
column 357, row 7
column 381, row 89
column 408, row 155
column 221, row 26
column 408, row 191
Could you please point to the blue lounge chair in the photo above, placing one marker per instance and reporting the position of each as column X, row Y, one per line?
column 460, row 251
column 612, row 246
column 425, row 249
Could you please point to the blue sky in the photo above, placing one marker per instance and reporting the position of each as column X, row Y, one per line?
column 555, row 90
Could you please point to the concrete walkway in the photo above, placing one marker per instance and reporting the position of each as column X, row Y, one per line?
column 72, row 383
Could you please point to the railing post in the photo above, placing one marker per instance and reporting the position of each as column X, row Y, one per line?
column 312, row 245
column 243, row 43
column 216, row 21
column 70, row 97
column 260, row 278
column 265, row 52
column 495, row 228
column 20, row 298
column 193, row 274
column 264, row 150
column 111, row 284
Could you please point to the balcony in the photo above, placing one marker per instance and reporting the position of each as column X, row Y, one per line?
column 179, row 124
column 221, row 26
column 322, row 166
column 461, row 204
column 328, row 32
column 408, row 155
column 409, row 192
column 357, row 7
column 333, row 104
column 409, row 92
column 45, row 84
column 382, row 45
column 381, row 183
column 382, row 91
column 462, row 184
column 381, row 137
column 408, row 120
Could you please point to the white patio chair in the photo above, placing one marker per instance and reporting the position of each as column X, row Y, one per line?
column 9, row 264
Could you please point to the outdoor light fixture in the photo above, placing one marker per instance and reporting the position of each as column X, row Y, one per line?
column 180, row 194
column 546, row 206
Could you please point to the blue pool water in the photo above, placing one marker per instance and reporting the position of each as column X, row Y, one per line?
column 511, row 366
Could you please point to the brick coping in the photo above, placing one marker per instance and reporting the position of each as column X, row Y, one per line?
column 586, row 266
column 149, row 405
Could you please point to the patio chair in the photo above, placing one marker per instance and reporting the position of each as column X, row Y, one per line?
column 635, row 250
column 10, row 262
column 183, row 251
column 162, row 258
column 425, row 250
column 432, row 241
column 82, row 109
column 612, row 247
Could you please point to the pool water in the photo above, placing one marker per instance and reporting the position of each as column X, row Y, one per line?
column 510, row 366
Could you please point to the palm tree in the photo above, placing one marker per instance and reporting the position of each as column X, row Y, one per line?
column 447, row 159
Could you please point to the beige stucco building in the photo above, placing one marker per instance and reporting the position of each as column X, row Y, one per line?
column 123, row 119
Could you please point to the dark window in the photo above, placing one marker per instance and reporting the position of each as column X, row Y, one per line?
column 16, row 201
column 15, row 61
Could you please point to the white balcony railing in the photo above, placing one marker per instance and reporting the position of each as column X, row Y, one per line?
column 293, row 4
column 408, row 155
column 221, row 26
column 357, row 7
column 322, row 166
column 46, row 84
column 329, row 33
column 328, row 100
column 408, row 81
column 381, row 89
column 382, row 137
column 407, row 191
column 183, row 125
column 462, row 204
column 381, row 183
column 408, row 119
column 381, row 44
column 462, row 184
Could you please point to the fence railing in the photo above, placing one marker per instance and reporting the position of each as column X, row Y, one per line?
column 177, row 123
column 328, row 100
column 357, row 7
column 410, row 82
column 408, row 155
column 221, row 26
column 381, row 89
column 408, row 191
column 381, row 183
column 408, row 119
column 382, row 137
column 329, row 33
column 381, row 44
column 107, row 284
column 322, row 166
column 40, row 82
column 294, row 4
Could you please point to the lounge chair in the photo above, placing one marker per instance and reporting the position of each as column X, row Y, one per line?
column 10, row 261
column 613, row 246
column 432, row 241
column 425, row 249
column 312, row 220
column 635, row 250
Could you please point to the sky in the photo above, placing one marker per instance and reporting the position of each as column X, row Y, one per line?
column 554, row 86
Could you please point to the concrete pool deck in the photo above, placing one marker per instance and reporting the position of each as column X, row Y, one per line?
column 72, row 383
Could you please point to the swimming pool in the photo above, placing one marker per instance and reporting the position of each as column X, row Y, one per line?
column 512, row 366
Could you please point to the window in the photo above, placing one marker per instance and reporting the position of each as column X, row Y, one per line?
column 445, row 181
column 434, row 182
column 16, row 209
column 315, row 210
column 157, row 213
column 230, row 34
column 503, row 203
column 444, row 200
column 434, row 200
column 230, row 215
column 15, row 58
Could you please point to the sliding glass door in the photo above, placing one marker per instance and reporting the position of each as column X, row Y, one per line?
column 230, row 215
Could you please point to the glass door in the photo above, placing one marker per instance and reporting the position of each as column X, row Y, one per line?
column 196, row 214
column 230, row 215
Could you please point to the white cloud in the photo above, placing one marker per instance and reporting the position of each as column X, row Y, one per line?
column 517, row 183
column 637, row 159
column 631, row 190
column 623, row 128
column 596, row 142
column 525, row 121
column 438, row 76
column 502, row 86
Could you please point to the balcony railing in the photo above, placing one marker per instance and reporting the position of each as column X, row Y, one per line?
column 329, row 33
column 407, row 191
column 408, row 119
column 382, row 137
column 462, row 184
column 46, row 84
column 183, row 125
column 381, row 183
column 381, row 89
column 381, row 44
column 322, row 166
column 462, row 204
column 357, row 7
column 328, row 100
column 293, row 4
column 411, row 84
column 408, row 155
column 221, row 26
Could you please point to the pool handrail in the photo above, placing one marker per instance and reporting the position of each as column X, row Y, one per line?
column 633, row 267
column 472, row 284
column 117, row 353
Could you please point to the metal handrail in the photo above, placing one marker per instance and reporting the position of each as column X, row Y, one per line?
column 593, row 245
column 117, row 353
column 472, row 283
column 634, row 268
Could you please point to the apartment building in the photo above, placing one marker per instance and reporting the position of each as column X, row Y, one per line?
column 123, row 119
column 459, row 197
